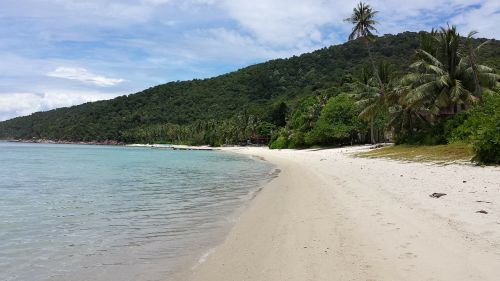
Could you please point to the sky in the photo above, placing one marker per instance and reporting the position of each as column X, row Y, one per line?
column 56, row 53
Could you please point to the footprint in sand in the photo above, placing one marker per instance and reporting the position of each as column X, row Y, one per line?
column 405, row 245
column 408, row 255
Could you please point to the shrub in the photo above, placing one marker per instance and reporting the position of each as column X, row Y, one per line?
column 279, row 139
column 482, row 129
column 486, row 142
column 440, row 133
column 297, row 140
column 338, row 123
column 479, row 126
column 279, row 143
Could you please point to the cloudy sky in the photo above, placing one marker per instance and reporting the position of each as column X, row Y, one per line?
column 56, row 53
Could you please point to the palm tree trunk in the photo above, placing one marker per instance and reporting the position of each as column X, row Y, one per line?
column 410, row 125
column 477, row 90
column 372, row 136
column 375, row 72
column 475, row 71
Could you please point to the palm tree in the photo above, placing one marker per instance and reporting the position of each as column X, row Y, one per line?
column 442, row 81
column 373, row 93
column 363, row 21
column 470, row 54
column 404, row 116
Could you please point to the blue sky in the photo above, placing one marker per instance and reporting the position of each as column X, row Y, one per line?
column 56, row 53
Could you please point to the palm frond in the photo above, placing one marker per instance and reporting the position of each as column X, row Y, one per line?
column 432, row 59
column 368, row 112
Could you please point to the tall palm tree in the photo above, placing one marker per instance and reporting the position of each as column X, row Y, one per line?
column 373, row 94
column 443, row 81
column 363, row 21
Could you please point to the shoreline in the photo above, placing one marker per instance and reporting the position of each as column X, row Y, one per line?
column 117, row 143
column 198, row 258
column 46, row 141
column 330, row 216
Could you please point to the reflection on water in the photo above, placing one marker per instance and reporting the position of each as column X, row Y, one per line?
column 72, row 212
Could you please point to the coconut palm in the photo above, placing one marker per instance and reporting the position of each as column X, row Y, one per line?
column 444, row 82
column 373, row 93
column 404, row 116
column 480, row 73
column 363, row 21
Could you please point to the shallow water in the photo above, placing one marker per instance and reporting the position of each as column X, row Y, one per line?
column 77, row 212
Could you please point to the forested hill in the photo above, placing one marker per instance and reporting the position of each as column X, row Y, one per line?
column 260, row 90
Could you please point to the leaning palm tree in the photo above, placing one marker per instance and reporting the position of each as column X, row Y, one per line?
column 363, row 21
column 445, row 81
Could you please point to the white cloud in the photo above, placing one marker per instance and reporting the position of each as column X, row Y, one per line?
column 282, row 22
column 484, row 19
column 83, row 75
column 19, row 104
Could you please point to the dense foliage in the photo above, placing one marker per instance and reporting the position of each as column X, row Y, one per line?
column 326, row 119
column 481, row 127
column 432, row 103
column 478, row 126
column 338, row 123
column 237, row 130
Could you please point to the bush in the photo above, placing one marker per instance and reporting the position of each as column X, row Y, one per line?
column 279, row 143
column 279, row 139
column 482, row 129
column 297, row 140
column 486, row 142
column 443, row 132
column 338, row 123
column 479, row 126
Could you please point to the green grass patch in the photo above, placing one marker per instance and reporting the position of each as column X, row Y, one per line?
column 423, row 153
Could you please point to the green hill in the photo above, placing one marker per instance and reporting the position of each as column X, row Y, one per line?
column 260, row 91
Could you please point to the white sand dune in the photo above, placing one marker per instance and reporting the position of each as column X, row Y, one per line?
column 329, row 216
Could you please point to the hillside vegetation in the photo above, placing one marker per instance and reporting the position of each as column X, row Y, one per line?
column 255, row 92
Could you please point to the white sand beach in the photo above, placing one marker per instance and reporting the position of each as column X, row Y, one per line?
column 330, row 216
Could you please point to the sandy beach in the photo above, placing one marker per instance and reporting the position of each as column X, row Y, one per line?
column 331, row 216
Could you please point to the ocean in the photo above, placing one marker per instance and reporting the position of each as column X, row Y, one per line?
column 85, row 212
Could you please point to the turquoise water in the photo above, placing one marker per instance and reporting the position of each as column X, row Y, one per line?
column 77, row 212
